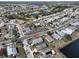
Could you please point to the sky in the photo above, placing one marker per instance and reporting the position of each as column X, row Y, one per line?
column 39, row 0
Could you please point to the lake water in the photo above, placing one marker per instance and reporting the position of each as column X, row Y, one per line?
column 71, row 50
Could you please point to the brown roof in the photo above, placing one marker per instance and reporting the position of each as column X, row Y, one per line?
column 2, row 51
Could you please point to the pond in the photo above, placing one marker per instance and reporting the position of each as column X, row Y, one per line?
column 71, row 50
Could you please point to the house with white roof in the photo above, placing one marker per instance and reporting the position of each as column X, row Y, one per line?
column 75, row 24
column 11, row 51
column 59, row 35
column 37, row 41
column 68, row 31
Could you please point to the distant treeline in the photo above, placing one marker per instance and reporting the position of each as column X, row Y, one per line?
column 41, row 2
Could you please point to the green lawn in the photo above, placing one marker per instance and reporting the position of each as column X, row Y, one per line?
column 21, row 51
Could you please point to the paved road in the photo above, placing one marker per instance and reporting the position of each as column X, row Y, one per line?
column 20, row 30
column 27, row 49
column 6, row 42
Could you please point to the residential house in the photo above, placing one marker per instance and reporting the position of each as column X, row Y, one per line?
column 11, row 50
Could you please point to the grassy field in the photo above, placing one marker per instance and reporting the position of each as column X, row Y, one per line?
column 21, row 51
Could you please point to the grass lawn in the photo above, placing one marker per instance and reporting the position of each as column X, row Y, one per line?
column 61, row 43
column 21, row 51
